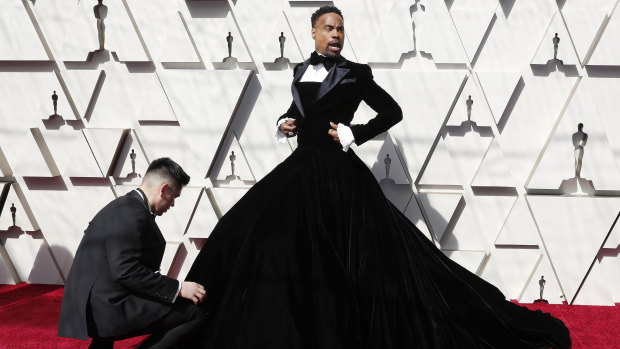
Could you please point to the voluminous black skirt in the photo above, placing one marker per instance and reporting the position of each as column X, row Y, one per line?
column 315, row 256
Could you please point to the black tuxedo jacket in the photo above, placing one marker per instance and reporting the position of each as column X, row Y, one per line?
column 346, row 85
column 114, row 287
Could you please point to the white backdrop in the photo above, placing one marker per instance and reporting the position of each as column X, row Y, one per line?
column 483, row 162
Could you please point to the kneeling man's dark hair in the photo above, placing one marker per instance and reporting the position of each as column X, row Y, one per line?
column 323, row 10
column 167, row 168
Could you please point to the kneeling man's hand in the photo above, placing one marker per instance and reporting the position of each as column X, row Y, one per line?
column 193, row 291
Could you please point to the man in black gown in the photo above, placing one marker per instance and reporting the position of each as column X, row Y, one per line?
column 114, row 289
column 315, row 256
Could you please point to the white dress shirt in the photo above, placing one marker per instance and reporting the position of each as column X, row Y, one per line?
column 318, row 73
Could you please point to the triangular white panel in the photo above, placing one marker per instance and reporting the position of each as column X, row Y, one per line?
column 26, row 158
column 388, row 165
column 467, row 150
column 610, row 264
column 209, row 29
column 573, row 230
column 21, row 217
column 29, row 95
column 558, row 162
column 472, row 25
column 607, row 51
column 584, row 27
column 170, row 141
column 6, row 278
column 204, row 112
column 261, row 23
column 83, row 84
column 498, row 88
column 470, row 260
column 566, row 51
column 269, row 95
column 369, row 151
column 271, row 49
column 72, row 153
column 415, row 216
column 18, row 39
column 519, row 228
column 161, row 26
column 55, row 19
column 396, row 35
column 119, row 104
column 191, row 248
column 493, row 171
column 63, row 212
column 174, row 222
column 491, row 213
column 132, row 162
column 398, row 194
column 223, row 199
column 439, row 170
column 232, row 159
column 478, row 223
column 551, row 291
column 603, row 92
column 439, row 209
column 613, row 241
column 363, row 23
column 32, row 260
column 105, row 144
column 492, row 274
column 425, row 98
column 532, row 121
column 517, row 267
column 81, row 36
column 595, row 288
column 44, row 269
column 172, row 248
column 470, row 106
column 204, row 219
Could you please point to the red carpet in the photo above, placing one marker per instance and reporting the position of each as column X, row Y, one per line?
column 29, row 315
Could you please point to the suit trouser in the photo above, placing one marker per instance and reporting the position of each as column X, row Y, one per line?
column 170, row 331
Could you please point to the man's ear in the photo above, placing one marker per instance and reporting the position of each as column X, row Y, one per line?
column 163, row 188
column 313, row 33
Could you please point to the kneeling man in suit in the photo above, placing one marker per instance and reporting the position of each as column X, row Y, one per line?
column 114, row 289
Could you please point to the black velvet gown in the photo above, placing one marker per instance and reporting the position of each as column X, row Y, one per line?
column 315, row 256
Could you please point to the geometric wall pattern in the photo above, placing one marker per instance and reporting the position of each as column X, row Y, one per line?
column 483, row 161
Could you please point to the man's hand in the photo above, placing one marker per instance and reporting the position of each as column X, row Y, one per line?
column 289, row 128
column 193, row 291
column 333, row 132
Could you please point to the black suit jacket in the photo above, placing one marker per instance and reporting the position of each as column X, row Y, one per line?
column 114, row 287
column 346, row 85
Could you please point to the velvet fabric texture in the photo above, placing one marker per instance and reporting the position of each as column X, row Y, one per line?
column 315, row 256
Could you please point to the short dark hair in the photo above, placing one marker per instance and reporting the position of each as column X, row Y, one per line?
column 323, row 10
column 167, row 168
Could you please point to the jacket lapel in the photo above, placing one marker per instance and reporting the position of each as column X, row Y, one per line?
column 296, row 78
column 332, row 79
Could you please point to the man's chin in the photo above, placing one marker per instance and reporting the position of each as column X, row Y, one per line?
column 331, row 53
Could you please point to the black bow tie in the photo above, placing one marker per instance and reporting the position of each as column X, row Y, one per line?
column 328, row 62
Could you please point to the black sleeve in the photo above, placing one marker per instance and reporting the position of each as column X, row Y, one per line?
column 124, row 250
column 292, row 112
column 388, row 111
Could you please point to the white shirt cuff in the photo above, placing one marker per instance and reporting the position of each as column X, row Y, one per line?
column 346, row 136
column 178, row 292
column 280, row 136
